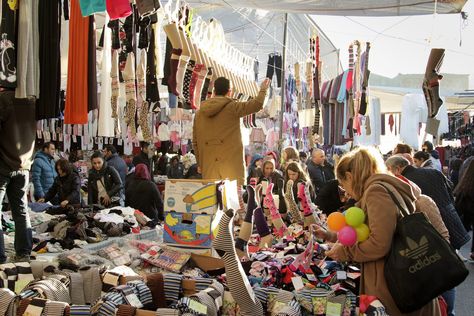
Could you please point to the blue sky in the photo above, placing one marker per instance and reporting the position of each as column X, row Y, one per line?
column 402, row 44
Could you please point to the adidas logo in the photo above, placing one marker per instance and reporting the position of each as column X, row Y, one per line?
column 416, row 250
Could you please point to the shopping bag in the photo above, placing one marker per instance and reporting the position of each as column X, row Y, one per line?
column 421, row 264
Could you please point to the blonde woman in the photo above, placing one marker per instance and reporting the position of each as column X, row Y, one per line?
column 288, row 155
column 361, row 173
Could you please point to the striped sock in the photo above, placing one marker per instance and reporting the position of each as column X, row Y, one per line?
column 7, row 298
column 76, row 290
column 204, row 298
column 237, row 281
column 172, row 287
column 92, row 284
column 79, row 310
column 54, row 308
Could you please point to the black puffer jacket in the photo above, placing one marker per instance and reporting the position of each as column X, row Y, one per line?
column 112, row 182
column 67, row 188
column 143, row 195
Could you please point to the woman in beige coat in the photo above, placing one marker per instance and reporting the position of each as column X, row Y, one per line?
column 360, row 173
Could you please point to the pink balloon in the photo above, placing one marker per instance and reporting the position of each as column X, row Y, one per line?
column 347, row 236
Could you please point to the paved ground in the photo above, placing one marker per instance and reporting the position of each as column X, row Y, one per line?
column 465, row 291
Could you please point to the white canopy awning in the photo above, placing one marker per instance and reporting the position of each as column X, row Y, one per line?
column 345, row 7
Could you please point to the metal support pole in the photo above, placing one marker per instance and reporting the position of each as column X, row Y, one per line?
column 283, row 76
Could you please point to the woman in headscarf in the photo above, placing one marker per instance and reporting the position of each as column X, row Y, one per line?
column 142, row 194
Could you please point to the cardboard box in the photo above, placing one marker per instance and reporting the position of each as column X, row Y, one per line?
column 207, row 263
column 188, row 229
column 191, row 196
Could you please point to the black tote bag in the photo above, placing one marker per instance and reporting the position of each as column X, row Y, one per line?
column 421, row 265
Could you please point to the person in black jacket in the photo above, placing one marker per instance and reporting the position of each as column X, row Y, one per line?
column 434, row 184
column 67, row 185
column 114, row 160
column 142, row 194
column 320, row 171
column 104, row 186
column 142, row 157
column 17, row 141
column 464, row 193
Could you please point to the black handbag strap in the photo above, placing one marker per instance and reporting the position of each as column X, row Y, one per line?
column 403, row 211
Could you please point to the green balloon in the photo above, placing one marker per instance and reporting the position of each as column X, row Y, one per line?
column 363, row 232
column 355, row 216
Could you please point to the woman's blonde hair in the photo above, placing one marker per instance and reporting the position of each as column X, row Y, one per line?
column 362, row 163
column 291, row 153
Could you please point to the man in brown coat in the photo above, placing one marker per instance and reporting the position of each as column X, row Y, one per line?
column 217, row 140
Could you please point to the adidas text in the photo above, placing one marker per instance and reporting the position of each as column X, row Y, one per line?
column 424, row 262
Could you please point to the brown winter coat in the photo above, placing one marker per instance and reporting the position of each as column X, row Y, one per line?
column 217, row 140
column 382, row 215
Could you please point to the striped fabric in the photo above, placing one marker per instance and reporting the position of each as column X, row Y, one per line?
column 76, row 290
column 80, row 310
column 54, row 308
column 167, row 312
column 25, row 275
column 108, row 308
column 7, row 297
column 28, row 294
column 204, row 298
column 172, row 286
column 142, row 291
column 8, row 276
column 202, row 283
column 237, row 281
column 92, row 284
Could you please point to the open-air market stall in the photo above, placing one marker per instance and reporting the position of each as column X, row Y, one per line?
column 115, row 73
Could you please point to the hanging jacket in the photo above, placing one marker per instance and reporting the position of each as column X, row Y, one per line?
column 67, row 188
column 43, row 173
column 112, row 183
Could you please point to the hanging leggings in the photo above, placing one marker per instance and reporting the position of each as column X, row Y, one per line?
column 207, row 82
column 49, row 20
column 237, row 280
column 187, row 84
column 274, row 67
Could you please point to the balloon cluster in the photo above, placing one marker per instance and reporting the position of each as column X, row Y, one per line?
column 349, row 226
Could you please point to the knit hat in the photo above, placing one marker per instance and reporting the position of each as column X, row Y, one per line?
column 118, row 9
column 89, row 7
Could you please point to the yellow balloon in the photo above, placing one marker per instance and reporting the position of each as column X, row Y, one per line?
column 363, row 232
